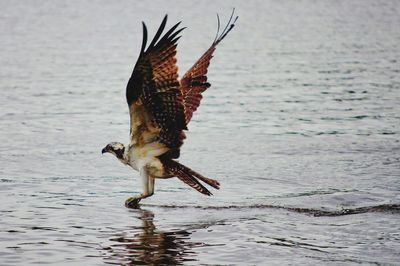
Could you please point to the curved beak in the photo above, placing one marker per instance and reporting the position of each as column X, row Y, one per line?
column 104, row 150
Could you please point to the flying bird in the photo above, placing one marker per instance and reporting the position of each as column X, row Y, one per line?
column 160, row 108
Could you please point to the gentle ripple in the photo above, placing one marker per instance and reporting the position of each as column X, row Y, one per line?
column 301, row 127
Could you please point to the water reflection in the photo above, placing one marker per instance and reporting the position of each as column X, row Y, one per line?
column 146, row 245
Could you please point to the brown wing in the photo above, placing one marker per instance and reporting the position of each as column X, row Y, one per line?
column 153, row 94
column 194, row 82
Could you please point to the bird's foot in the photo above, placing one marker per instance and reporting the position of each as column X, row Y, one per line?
column 132, row 202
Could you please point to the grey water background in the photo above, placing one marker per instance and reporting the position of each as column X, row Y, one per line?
column 301, row 128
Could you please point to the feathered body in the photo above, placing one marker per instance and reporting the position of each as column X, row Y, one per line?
column 160, row 107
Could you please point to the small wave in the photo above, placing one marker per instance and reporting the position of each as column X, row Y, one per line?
column 385, row 208
column 360, row 117
column 43, row 228
column 315, row 192
column 351, row 99
column 333, row 132
column 388, row 133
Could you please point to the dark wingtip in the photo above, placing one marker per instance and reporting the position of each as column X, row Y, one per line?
column 219, row 25
column 144, row 41
column 172, row 36
column 159, row 31
column 229, row 26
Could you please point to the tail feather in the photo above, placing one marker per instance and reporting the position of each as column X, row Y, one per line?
column 208, row 181
column 189, row 176
column 193, row 182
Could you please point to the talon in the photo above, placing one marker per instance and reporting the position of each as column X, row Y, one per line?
column 132, row 202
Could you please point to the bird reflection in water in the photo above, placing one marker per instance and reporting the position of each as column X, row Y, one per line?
column 149, row 246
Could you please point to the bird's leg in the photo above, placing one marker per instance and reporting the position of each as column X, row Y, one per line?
column 150, row 186
column 148, row 189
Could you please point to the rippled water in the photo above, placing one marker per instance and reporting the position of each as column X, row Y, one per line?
column 301, row 127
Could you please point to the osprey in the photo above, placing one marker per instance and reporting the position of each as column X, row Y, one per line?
column 160, row 108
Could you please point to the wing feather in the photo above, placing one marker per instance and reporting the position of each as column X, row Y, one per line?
column 153, row 94
column 194, row 82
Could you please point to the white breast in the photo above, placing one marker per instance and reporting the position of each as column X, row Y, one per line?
column 145, row 155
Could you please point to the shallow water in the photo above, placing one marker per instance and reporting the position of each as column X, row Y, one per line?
column 301, row 128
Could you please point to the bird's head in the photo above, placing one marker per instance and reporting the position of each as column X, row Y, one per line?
column 115, row 148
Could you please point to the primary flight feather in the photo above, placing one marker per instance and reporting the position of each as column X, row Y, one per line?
column 160, row 107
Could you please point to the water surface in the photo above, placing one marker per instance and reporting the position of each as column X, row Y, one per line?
column 300, row 126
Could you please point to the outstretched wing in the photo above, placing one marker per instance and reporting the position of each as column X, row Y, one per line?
column 153, row 94
column 194, row 82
